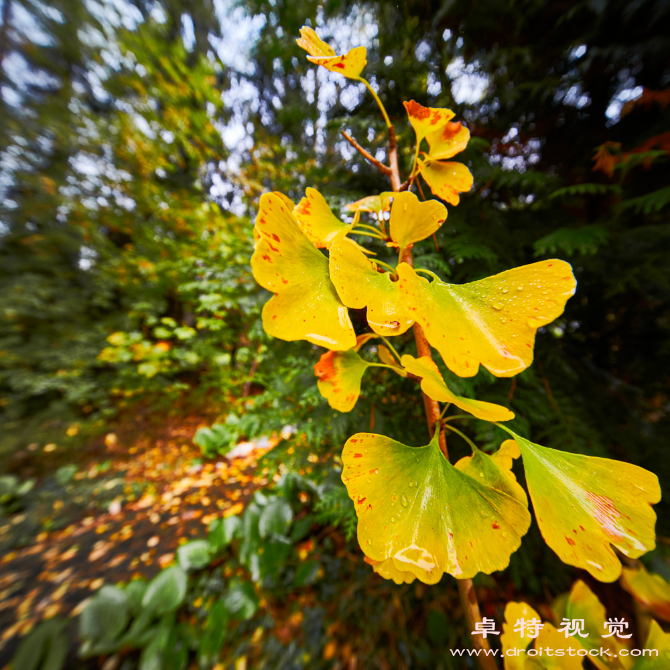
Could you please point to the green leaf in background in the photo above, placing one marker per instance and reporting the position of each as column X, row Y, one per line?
column 194, row 555
column 306, row 573
column 166, row 591
column 241, row 601
column 275, row 518
column 44, row 648
column 222, row 531
column 106, row 615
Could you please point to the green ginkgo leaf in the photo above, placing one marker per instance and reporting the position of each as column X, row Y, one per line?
column 659, row 641
column 305, row 305
column 359, row 284
column 496, row 469
column 586, row 505
column 426, row 516
column 433, row 385
column 490, row 322
column 412, row 221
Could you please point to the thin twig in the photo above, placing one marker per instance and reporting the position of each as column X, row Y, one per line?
column 384, row 169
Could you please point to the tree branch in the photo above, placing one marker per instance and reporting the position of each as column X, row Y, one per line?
column 384, row 169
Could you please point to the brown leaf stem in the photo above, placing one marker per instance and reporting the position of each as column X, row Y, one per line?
column 384, row 169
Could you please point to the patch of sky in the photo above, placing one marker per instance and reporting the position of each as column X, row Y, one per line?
column 468, row 85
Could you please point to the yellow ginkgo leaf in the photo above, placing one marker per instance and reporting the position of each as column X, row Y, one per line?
column 412, row 221
column 305, row 305
column 650, row 590
column 516, row 642
column 586, row 505
column 313, row 44
column 492, row 321
column 584, row 605
column 448, row 141
column 387, row 570
column 564, row 651
column 359, row 284
column 387, row 358
column 446, row 179
column 373, row 203
column 658, row 641
column 426, row 120
column 317, row 220
column 496, row 470
column 426, row 516
column 339, row 376
column 434, row 386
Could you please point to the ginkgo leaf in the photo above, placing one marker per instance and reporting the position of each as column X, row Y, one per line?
column 551, row 638
column 492, row 321
column 387, row 570
column 386, row 357
column 313, row 44
column 658, row 640
column 446, row 179
column 373, row 203
column 584, row 505
column 650, row 590
column 496, row 469
column 305, row 305
column 516, row 640
column 359, row 284
column 448, row 141
column 412, row 221
column 433, row 385
column 426, row 516
column 317, row 220
column 426, row 120
column 350, row 65
column 584, row 604
column 339, row 376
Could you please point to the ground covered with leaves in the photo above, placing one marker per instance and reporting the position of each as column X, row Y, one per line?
column 120, row 515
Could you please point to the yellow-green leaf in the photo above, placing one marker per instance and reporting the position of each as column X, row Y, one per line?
column 359, row 284
column 339, row 376
column 561, row 659
column 660, row 641
column 305, row 305
column 586, row 505
column 317, row 220
column 387, row 358
column 387, row 570
column 584, row 604
column 516, row 640
column 412, row 221
column 496, row 470
column 448, row 141
column 426, row 516
column 434, row 386
column 313, row 44
column 492, row 321
column 373, row 203
column 426, row 120
column 446, row 179
column 650, row 590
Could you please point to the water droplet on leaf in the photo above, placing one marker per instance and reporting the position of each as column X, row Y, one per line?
column 403, row 500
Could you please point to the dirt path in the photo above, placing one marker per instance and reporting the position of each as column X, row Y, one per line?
column 168, row 498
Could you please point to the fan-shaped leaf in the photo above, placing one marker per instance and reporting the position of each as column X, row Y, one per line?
column 305, row 305
column 433, row 385
column 492, row 321
column 412, row 221
column 359, row 284
column 448, row 141
column 426, row 120
column 446, row 179
column 373, row 203
column 317, row 220
column 516, row 640
column 585, row 505
column 339, row 376
column 350, row 65
column 650, row 591
column 660, row 641
column 313, row 44
column 426, row 516
column 387, row 570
